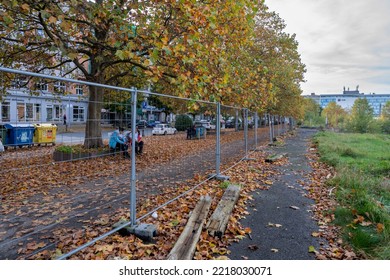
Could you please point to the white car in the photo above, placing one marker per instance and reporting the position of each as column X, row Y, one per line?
column 205, row 124
column 163, row 129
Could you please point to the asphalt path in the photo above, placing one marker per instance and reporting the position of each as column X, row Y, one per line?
column 280, row 218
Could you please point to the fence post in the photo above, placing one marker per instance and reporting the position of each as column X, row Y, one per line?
column 246, row 112
column 218, row 143
column 256, row 127
column 246, row 130
column 133, row 197
column 236, row 121
column 270, row 128
column 218, row 176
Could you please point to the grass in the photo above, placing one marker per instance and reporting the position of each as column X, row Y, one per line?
column 362, row 162
column 75, row 149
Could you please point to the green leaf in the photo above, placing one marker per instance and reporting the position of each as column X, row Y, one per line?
column 120, row 54
column 312, row 249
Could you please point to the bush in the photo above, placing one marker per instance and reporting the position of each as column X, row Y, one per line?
column 183, row 122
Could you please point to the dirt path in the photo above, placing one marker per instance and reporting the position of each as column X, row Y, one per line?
column 280, row 218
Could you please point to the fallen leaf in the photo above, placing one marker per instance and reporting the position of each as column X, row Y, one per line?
column 380, row 227
column 274, row 250
column 222, row 258
column 253, row 247
column 315, row 234
column 294, row 207
column 312, row 249
column 274, row 225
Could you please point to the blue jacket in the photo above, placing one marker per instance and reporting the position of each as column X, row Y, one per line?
column 114, row 139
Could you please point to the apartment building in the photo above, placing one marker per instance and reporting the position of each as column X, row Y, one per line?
column 348, row 97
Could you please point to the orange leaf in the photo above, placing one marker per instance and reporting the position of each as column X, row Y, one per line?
column 380, row 227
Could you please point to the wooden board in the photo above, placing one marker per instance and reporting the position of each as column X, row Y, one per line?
column 220, row 218
column 185, row 246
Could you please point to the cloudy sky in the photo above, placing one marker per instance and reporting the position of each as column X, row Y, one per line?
column 341, row 42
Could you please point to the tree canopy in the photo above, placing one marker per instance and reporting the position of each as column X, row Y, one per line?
column 232, row 51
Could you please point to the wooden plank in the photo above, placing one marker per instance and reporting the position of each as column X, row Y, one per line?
column 185, row 246
column 220, row 218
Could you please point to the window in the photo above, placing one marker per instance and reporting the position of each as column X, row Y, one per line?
column 19, row 82
column 37, row 112
column 49, row 113
column 78, row 113
column 20, row 107
column 33, row 112
column 53, row 113
column 79, row 89
column 29, row 112
column 5, row 112
column 57, row 112
column 60, row 87
column 41, row 86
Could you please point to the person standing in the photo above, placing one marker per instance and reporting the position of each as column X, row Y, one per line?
column 139, row 144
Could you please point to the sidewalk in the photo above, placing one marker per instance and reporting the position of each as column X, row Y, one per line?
column 280, row 218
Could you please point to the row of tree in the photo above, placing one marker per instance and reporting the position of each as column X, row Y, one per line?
column 232, row 51
column 359, row 119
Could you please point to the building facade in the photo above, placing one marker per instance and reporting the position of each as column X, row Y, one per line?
column 348, row 97
column 43, row 103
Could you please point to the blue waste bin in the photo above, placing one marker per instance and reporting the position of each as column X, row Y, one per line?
column 20, row 134
column 200, row 132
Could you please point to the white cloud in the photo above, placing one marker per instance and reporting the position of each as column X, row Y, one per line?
column 342, row 42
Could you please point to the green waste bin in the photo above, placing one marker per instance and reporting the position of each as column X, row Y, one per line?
column 45, row 133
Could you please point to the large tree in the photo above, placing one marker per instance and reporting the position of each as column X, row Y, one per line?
column 334, row 114
column 178, row 46
column 232, row 51
column 361, row 116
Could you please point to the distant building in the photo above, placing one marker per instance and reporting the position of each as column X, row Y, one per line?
column 348, row 97
column 43, row 102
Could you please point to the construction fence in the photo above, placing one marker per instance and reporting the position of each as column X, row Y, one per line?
column 51, row 186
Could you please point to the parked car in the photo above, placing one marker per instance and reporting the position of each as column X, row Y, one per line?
column 206, row 124
column 230, row 124
column 152, row 123
column 141, row 123
column 163, row 129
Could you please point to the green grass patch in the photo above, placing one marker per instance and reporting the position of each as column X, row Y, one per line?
column 362, row 162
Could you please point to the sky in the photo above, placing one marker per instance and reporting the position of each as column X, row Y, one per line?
column 341, row 42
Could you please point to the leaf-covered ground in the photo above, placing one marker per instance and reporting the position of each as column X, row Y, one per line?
column 46, row 214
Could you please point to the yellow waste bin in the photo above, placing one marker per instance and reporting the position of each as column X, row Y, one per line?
column 45, row 133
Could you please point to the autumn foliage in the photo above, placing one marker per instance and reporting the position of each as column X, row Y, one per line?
column 233, row 52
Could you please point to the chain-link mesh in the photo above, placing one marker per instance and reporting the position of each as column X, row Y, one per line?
column 52, row 186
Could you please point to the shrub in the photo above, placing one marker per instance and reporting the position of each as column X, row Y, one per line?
column 183, row 122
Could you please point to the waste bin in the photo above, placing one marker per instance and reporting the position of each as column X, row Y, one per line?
column 45, row 133
column 19, row 134
column 200, row 132
column 3, row 134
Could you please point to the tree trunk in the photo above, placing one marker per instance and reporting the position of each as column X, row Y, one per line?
column 93, row 129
